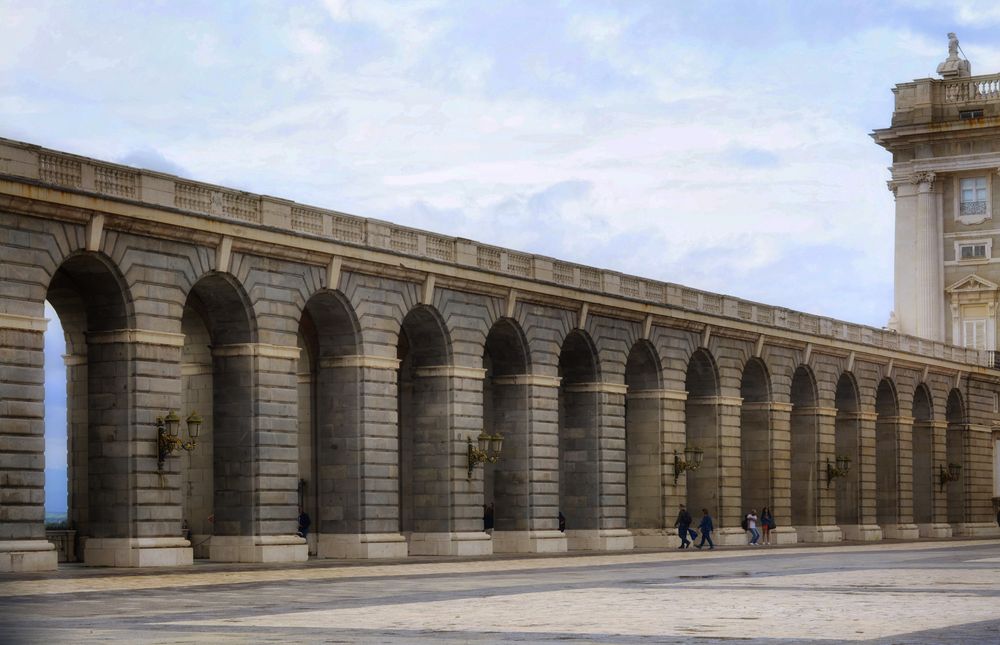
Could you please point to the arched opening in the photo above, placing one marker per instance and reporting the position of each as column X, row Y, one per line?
column 886, row 455
column 643, row 470
column 805, row 449
column 505, row 412
column 701, row 430
column 217, row 478
column 56, row 439
column 955, row 450
column 923, row 456
column 328, row 407
column 578, row 445
column 755, row 435
column 424, row 426
column 847, row 435
column 91, row 301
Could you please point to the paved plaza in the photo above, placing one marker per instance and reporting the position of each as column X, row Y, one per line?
column 927, row 592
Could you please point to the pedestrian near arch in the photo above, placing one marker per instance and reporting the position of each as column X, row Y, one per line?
column 766, row 524
column 706, row 527
column 752, row 521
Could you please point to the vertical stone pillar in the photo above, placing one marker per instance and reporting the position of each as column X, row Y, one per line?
column 673, row 441
column 781, row 473
column 826, row 529
column 730, row 466
column 939, row 526
column 375, row 451
column 900, row 429
column 612, row 532
column 928, row 281
column 867, row 528
column 976, row 481
column 23, row 546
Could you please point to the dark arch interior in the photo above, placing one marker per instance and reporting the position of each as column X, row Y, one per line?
column 923, row 455
column 955, row 450
column 578, row 442
column 702, row 431
column 644, row 506
column 755, row 435
column 846, row 443
column 887, row 454
column 805, row 449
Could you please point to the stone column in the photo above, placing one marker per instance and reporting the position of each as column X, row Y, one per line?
column 730, row 466
column 669, row 409
column 867, row 528
column 826, row 529
column 23, row 546
column 673, row 441
column 977, row 482
column 468, row 537
column 256, row 449
column 918, row 266
column 612, row 501
column 540, row 532
column 372, row 447
column 903, row 528
column 939, row 526
column 781, row 473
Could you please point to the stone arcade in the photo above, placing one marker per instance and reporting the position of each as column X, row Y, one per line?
column 359, row 358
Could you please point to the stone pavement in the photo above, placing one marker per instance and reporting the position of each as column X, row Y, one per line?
column 921, row 592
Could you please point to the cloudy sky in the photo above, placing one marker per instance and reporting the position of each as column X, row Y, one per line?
column 721, row 145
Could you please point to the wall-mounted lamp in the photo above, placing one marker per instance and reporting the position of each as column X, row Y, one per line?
column 950, row 475
column 167, row 431
column 487, row 450
column 691, row 461
column 840, row 470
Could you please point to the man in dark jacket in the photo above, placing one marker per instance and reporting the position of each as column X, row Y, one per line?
column 706, row 527
column 683, row 525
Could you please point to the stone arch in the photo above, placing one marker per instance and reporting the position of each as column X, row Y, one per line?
column 217, row 361
column 887, row 455
column 95, row 306
column 643, row 461
column 505, row 412
column 846, row 442
column 579, row 482
column 329, row 398
column 425, row 426
column 804, row 398
column 922, row 412
column 755, row 434
column 955, row 438
column 701, row 430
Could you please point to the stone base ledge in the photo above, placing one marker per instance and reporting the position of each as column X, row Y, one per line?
column 932, row 530
column 18, row 556
column 452, row 543
column 258, row 548
column 360, row 546
column 901, row 532
column 137, row 552
column 862, row 532
column 731, row 537
column 529, row 542
column 975, row 529
column 784, row 535
column 819, row 534
column 656, row 538
column 600, row 540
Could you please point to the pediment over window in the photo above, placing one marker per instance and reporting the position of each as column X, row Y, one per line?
column 972, row 284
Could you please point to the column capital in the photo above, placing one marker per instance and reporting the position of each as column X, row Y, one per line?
column 733, row 401
column 606, row 388
column 451, row 371
column 674, row 395
column 263, row 350
column 541, row 380
column 360, row 360
column 135, row 336
column 23, row 323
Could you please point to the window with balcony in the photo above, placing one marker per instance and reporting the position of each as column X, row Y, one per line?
column 972, row 196
column 974, row 334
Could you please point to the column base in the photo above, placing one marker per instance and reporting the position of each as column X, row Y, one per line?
column 656, row 538
column 137, row 552
column 464, row 543
column 731, row 537
column 975, row 529
column 529, row 542
column 784, row 535
column 862, row 532
column 361, row 546
column 18, row 556
column 900, row 532
column 934, row 530
column 828, row 533
column 600, row 540
column 258, row 548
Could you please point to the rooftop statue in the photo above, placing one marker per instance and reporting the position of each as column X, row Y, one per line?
column 953, row 66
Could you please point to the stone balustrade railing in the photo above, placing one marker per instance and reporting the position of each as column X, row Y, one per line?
column 158, row 189
column 973, row 88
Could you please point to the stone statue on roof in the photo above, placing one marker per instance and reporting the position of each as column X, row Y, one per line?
column 953, row 66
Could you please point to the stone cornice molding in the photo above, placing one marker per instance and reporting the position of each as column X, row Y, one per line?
column 360, row 360
column 665, row 395
column 979, row 427
column 262, row 350
column 135, row 336
column 72, row 360
column 540, row 380
column 849, row 415
column 195, row 369
column 23, row 323
column 813, row 410
column 766, row 406
column 605, row 388
column 733, row 401
column 450, row 371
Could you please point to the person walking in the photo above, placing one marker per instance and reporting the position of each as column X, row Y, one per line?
column 683, row 524
column 706, row 527
column 752, row 527
column 766, row 524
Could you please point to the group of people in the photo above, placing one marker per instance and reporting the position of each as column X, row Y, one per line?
column 751, row 522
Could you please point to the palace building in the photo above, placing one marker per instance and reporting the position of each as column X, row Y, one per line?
column 234, row 360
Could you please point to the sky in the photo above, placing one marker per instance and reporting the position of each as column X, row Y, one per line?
column 719, row 145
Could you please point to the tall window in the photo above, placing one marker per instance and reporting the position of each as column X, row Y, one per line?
column 972, row 251
column 973, row 196
column 975, row 333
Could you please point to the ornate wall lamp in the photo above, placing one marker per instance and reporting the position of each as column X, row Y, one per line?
column 840, row 470
column 487, row 450
column 691, row 461
column 950, row 475
column 167, row 431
